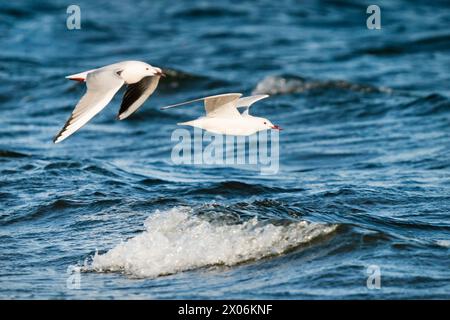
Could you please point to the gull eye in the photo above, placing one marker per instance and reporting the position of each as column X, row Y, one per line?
column 265, row 122
column 146, row 68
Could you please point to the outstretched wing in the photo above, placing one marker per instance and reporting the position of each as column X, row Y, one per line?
column 222, row 105
column 248, row 101
column 101, row 85
column 136, row 95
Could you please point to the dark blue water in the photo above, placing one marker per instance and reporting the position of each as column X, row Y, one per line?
column 364, row 173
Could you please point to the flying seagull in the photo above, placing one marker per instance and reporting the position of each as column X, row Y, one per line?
column 103, row 83
column 223, row 116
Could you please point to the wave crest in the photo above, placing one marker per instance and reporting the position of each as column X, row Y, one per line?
column 293, row 84
column 176, row 240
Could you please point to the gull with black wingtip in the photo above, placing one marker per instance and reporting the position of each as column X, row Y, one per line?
column 103, row 83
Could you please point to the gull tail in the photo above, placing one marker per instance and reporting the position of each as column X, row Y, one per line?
column 80, row 76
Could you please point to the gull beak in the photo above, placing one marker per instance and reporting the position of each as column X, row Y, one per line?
column 277, row 128
column 161, row 74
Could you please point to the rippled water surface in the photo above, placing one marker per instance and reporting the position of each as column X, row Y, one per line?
column 364, row 158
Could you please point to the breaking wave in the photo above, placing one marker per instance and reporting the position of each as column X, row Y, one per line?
column 176, row 240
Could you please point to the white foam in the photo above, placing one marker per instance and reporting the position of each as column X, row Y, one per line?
column 176, row 240
column 443, row 243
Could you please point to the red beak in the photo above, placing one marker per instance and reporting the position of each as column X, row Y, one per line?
column 277, row 128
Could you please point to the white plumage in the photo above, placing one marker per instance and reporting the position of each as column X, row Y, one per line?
column 223, row 117
column 103, row 83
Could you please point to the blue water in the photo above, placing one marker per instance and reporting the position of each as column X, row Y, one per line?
column 364, row 157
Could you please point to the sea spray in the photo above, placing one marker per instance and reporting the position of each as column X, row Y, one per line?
column 177, row 240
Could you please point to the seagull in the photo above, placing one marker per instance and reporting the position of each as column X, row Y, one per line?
column 223, row 116
column 103, row 83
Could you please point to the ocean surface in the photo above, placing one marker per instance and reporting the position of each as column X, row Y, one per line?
column 363, row 186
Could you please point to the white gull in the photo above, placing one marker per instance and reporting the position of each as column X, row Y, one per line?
column 223, row 117
column 103, row 83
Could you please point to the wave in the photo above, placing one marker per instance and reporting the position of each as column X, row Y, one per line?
column 177, row 80
column 443, row 243
column 235, row 187
column 12, row 154
column 46, row 210
column 432, row 43
column 176, row 240
column 431, row 104
column 293, row 84
column 209, row 12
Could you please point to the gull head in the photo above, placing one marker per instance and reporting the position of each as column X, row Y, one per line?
column 264, row 124
column 134, row 71
column 148, row 70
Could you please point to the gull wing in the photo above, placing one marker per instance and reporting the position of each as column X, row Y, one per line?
column 222, row 105
column 136, row 95
column 248, row 101
column 101, row 85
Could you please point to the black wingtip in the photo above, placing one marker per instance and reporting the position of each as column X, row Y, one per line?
column 58, row 135
column 55, row 139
